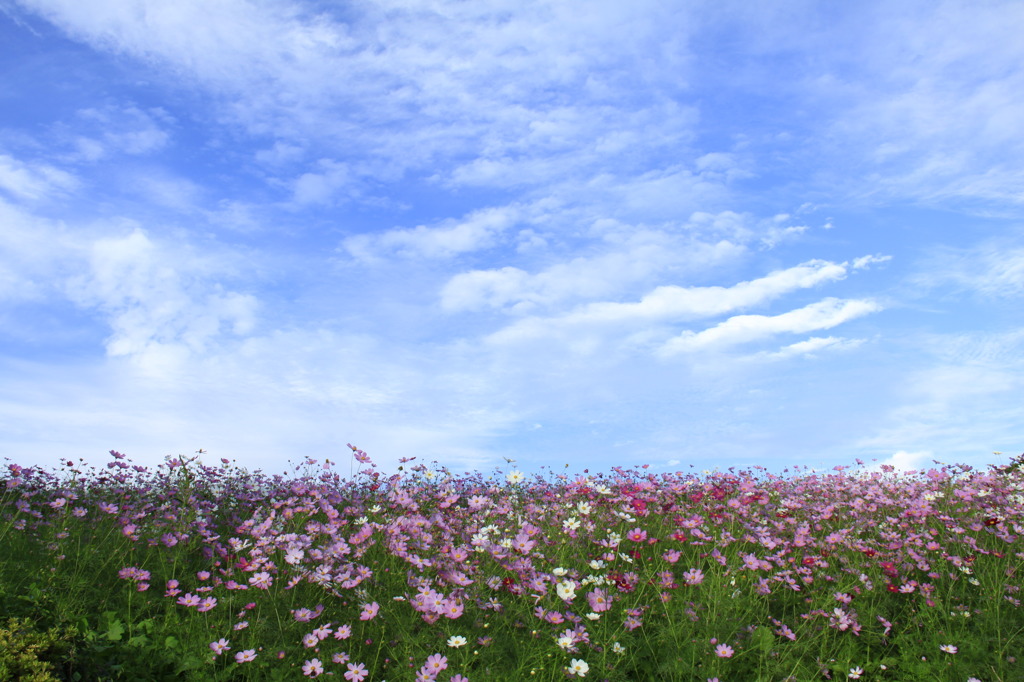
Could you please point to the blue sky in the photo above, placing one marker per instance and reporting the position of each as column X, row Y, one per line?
column 588, row 234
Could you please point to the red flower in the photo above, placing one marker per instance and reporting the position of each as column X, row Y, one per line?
column 991, row 521
column 892, row 588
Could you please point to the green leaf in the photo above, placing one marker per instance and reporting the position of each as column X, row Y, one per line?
column 115, row 630
column 138, row 640
column 763, row 639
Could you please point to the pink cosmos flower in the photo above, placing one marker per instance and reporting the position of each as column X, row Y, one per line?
column 435, row 664
column 262, row 580
column 694, row 576
column 303, row 615
column 220, row 646
column 724, row 651
column 312, row 668
column 357, row 672
column 245, row 656
column 207, row 604
column 637, row 535
column 189, row 600
column 369, row 611
column 454, row 609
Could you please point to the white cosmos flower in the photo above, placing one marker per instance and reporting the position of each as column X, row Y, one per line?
column 578, row 667
column 566, row 590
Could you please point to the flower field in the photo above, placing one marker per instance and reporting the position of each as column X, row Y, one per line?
column 197, row 572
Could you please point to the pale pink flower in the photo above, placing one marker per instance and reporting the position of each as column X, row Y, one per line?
column 312, row 668
column 357, row 672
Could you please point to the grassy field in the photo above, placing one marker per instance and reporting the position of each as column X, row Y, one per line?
column 198, row 572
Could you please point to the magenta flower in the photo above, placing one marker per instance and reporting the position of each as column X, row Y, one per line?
column 207, row 604
column 637, row 535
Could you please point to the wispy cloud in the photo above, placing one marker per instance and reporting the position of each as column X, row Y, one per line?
column 33, row 181
column 475, row 231
column 670, row 304
column 824, row 314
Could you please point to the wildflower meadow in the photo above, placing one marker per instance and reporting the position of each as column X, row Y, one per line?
column 189, row 571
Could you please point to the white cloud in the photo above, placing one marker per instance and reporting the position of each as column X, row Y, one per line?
column 102, row 132
column 665, row 304
column 33, row 253
column 824, row 314
column 993, row 269
column 470, row 82
column 325, row 187
column 809, row 347
column 903, row 461
column 33, row 181
column 472, row 232
column 865, row 261
column 675, row 303
column 158, row 306
column 620, row 261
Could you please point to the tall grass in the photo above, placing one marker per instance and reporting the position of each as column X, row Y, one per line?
column 199, row 572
